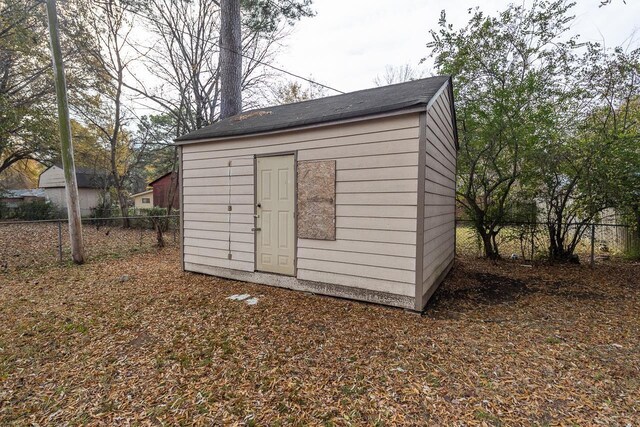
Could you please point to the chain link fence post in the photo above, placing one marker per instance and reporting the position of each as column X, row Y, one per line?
column 60, row 241
column 593, row 245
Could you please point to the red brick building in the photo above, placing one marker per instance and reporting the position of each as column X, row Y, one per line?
column 166, row 191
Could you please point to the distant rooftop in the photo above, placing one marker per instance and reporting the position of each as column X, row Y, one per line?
column 19, row 194
column 362, row 103
column 89, row 177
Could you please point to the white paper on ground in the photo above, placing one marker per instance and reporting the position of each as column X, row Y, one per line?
column 239, row 297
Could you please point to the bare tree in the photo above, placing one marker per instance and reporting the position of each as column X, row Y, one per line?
column 183, row 56
column 112, row 22
column 398, row 74
column 295, row 92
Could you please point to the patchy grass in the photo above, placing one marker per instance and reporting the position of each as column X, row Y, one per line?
column 500, row 344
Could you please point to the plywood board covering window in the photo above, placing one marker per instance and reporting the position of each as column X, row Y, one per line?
column 317, row 200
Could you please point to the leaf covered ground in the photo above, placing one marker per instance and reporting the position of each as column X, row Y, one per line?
column 25, row 245
column 135, row 341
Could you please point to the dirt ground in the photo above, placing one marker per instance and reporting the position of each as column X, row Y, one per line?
column 135, row 341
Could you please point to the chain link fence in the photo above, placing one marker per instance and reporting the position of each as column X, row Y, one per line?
column 24, row 244
column 530, row 241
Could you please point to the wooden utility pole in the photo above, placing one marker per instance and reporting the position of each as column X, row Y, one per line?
column 66, row 146
column 230, row 59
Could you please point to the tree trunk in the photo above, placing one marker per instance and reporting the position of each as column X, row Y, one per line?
column 230, row 59
column 124, row 209
column 558, row 248
column 488, row 243
column 66, row 145
column 158, row 224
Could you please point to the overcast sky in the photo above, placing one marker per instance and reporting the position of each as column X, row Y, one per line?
column 349, row 42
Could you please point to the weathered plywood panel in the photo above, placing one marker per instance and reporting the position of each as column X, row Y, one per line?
column 317, row 200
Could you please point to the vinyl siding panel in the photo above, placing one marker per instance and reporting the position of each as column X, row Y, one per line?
column 52, row 177
column 361, row 247
column 368, row 211
column 439, row 197
column 376, row 203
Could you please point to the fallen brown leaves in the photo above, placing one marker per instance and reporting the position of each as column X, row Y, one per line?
column 501, row 344
column 28, row 245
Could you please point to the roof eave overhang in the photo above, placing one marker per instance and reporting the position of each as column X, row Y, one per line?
column 142, row 193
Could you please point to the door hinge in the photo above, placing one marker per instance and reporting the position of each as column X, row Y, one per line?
column 229, row 255
column 256, row 229
column 229, row 208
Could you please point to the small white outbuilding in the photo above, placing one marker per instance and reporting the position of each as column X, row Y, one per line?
column 91, row 185
column 350, row 195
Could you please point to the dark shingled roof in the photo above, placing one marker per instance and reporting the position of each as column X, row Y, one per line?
column 89, row 177
column 331, row 108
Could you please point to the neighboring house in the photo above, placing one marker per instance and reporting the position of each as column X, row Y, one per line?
column 143, row 200
column 350, row 195
column 90, row 186
column 166, row 191
column 12, row 199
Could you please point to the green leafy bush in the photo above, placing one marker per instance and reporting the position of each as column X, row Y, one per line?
column 35, row 210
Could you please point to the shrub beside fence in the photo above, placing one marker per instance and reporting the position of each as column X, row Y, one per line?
column 530, row 241
column 28, row 243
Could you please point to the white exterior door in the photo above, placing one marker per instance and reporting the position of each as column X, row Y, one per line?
column 275, row 209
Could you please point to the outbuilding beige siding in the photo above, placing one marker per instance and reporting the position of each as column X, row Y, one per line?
column 439, row 197
column 376, row 206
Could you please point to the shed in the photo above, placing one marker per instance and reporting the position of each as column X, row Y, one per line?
column 91, row 184
column 165, row 191
column 143, row 200
column 350, row 195
column 16, row 197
